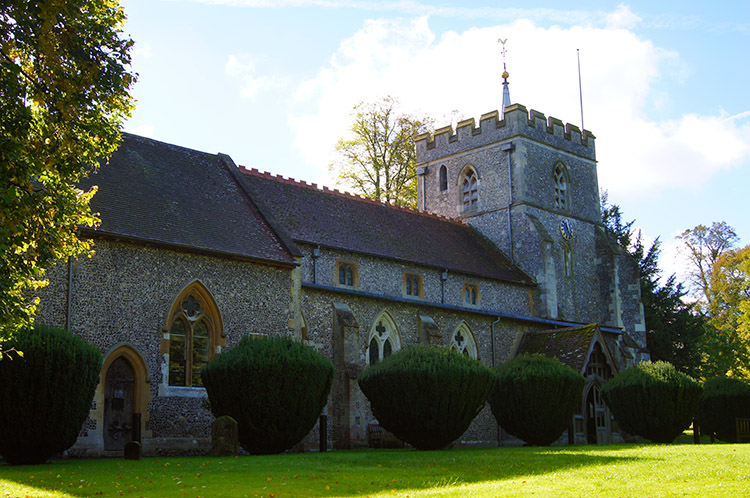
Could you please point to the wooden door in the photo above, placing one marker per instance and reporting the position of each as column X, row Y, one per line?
column 118, row 405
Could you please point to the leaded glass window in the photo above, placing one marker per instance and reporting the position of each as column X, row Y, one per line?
column 189, row 342
column 347, row 273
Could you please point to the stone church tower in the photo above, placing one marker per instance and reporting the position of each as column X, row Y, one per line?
column 530, row 185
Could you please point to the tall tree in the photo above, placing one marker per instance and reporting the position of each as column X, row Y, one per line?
column 729, row 309
column 379, row 160
column 64, row 88
column 675, row 329
column 703, row 245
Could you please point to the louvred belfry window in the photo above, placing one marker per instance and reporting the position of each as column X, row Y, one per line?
column 469, row 189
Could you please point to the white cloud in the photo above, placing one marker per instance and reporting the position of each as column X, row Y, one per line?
column 244, row 68
column 461, row 70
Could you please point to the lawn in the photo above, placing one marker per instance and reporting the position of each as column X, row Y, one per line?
column 565, row 471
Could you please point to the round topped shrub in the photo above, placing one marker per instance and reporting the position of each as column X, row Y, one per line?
column 45, row 395
column 425, row 395
column 534, row 397
column 724, row 399
column 653, row 400
column 274, row 387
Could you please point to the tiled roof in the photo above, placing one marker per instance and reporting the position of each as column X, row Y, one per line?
column 569, row 345
column 343, row 221
column 165, row 194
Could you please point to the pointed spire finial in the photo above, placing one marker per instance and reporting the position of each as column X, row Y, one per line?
column 506, row 91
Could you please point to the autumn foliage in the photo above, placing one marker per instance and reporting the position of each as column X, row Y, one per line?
column 724, row 399
column 521, row 398
column 274, row 387
column 653, row 400
column 45, row 395
column 426, row 396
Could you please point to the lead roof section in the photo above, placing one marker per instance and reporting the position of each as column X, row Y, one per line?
column 351, row 223
column 170, row 195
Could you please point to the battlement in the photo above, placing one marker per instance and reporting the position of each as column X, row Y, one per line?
column 517, row 122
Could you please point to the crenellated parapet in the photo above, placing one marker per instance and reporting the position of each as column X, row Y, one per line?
column 517, row 122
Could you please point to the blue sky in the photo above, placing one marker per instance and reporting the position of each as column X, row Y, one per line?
column 272, row 83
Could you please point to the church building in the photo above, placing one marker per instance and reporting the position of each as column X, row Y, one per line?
column 506, row 254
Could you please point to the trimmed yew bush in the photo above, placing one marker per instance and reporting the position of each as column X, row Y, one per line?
column 534, row 397
column 45, row 395
column 724, row 399
column 274, row 387
column 653, row 400
column 426, row 396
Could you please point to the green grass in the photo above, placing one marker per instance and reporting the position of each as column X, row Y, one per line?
column 563, row 471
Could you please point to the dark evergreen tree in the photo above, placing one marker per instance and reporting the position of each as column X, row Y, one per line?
column 45, row 395
column 675, row 329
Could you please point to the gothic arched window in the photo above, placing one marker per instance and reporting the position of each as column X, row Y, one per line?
column 561, row 187
column 384, row 339
column 469, row 193
column 464, row 342
column 194, row 333
column 443, row 178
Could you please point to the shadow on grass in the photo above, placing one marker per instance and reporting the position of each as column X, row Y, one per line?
column 341, row 473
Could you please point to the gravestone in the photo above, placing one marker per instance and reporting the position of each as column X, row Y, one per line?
column 132, row 450
column 224, row 436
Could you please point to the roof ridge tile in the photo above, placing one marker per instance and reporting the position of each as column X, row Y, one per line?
column 348, row 195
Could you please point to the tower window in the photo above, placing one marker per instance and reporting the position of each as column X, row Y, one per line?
column 470, row 195
column 561, row 187
column 443, row 178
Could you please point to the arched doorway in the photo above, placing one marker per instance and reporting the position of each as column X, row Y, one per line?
column 119, row 405
column 596, row 417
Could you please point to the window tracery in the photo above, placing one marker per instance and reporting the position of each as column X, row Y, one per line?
column 464, row 342
column 470, row 194
column 193, row 329
column 384, row 339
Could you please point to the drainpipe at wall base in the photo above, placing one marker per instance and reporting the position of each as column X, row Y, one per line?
column 422, row 173
column 443, row 278
column 492, row 346
column 315, row 256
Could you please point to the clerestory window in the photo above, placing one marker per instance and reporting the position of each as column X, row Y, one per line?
column 346, row 274
column 443, row 178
